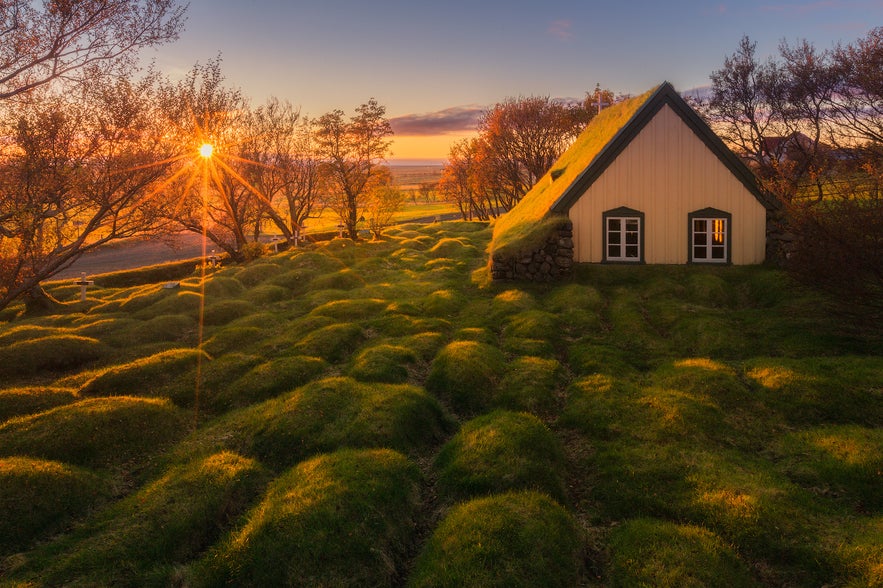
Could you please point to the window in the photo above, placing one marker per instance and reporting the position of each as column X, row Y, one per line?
column 710, row 236
column 624, row 235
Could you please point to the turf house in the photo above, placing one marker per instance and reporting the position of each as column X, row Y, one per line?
column 647, row 182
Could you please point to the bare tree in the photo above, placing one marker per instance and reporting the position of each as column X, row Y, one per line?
column 352, row 153
column 77, row 172
column 62, row 39
column 213, row 198
column 281, row 163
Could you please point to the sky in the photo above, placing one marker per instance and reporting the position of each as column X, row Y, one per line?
column 436, row 65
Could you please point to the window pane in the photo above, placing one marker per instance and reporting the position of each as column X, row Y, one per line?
column 700, row 239
column 613, row 224
column 631, row 224
column 612, row 251
column 631, row 238
column 698, row 252
column 614, row 238
column 699, row 226
column 717, row 253
column 631, row 251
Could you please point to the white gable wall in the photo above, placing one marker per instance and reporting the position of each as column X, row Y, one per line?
column 666, row 172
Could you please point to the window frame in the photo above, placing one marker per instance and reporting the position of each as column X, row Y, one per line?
column 710, row 214
column 625, row 214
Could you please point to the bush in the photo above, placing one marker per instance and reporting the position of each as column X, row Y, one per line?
column 512, row 540
column 39, row 497
column 95, row 433
column 466, row 373
column 341, row 519
column 646, row 552
column 54, row 353
column 500, row 452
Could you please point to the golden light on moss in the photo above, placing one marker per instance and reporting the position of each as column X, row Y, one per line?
column 206, row 150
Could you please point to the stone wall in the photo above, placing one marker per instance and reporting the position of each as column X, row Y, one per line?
column 553, row 261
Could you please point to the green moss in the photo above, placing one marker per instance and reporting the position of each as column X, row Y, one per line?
column 342, row 519
column 270, row 378
column 53, row 353
column 351, row 309
column 383, row 363
column 170, row 520
column 531, row 384
column 30, row 400
column 500, row 452
column 268, row 294
column 646, row 552
column 332, row 343
column 39, row 497
column 517, row 539
column 98, row 432
column 466, row 373
column 843, row 462
column 325, row 415
column 258, row 272
column 233, row 338
column 344, row 279
column 226, row 311
column 157, row 375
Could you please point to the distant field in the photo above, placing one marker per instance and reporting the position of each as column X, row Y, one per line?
column 412, row 176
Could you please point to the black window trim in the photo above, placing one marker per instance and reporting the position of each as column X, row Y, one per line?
column 710, row 213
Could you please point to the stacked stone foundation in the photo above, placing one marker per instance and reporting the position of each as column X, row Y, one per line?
column 551, row 262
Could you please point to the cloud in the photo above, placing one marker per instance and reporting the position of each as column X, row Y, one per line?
column 560, row 29
column 457, row 119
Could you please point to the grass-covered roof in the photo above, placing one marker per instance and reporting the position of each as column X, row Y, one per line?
column 529, row 222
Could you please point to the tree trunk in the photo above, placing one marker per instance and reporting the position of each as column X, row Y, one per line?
column 38, row 301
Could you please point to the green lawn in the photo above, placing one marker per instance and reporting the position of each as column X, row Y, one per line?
column 375, row 413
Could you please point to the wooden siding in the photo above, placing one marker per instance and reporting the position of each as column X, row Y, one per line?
column 666, row 172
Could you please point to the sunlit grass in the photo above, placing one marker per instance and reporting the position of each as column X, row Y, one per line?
column 693, row 421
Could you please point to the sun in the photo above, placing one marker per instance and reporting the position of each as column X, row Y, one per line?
column 206, row 150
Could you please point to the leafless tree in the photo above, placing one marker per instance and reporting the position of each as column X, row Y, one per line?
column 352, row 152
column 71, row 39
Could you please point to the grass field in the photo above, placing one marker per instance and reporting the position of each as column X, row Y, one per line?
column 374, row 413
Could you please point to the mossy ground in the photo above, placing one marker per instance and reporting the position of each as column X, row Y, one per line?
column 367, row 413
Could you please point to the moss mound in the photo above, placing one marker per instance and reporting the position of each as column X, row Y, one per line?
column 160, row 374
column 383, row 363
column 53, row 353
column 342, row 519
column 466, row 373
column 30, row 400
column 500, row 452
column 515, row 539
column 271, row 378
column 326, row 415
column 225, row 311
column 98, row 432
column 531, row 384
column 39, row 497
column 332, row 343
column 646, row 552
column 169, row 521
